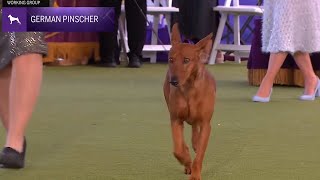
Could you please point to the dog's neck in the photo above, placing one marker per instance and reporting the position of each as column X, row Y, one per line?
column 196, row 77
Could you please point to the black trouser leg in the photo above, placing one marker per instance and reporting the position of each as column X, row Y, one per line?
column 136, row 24
column 108, row 40
column 196, row 18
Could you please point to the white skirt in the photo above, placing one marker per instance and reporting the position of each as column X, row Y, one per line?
column 291, row 26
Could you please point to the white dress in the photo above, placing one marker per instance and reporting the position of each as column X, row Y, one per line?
column 291, row 26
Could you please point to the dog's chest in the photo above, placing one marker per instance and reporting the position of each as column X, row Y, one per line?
column 178, row 106
column 185, row 106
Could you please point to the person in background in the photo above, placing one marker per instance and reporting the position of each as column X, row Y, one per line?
column 136, row 27
column 284, row 33
column 197, row 19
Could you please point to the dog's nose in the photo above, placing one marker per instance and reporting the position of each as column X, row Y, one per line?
column 174, row 81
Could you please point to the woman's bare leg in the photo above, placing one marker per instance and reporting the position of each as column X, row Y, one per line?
column 5, row 76
column 25, row 86
column 275, row 62
column 310, row 78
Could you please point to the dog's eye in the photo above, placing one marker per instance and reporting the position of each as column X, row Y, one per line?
column 170, row 60
column 186, row 60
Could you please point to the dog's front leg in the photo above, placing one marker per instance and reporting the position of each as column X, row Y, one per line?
column 205, row 130
column 195, row 136
column 181, row 151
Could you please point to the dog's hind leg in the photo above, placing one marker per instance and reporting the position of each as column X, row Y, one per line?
column 195, row 137
column 181, row 150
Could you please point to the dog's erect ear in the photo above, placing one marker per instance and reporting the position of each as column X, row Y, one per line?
column 175, row 35
column 205, row 46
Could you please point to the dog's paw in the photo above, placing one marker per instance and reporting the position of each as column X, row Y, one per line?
column 187, row 170
column 195, row 177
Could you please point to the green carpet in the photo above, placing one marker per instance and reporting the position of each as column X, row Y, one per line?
column 113, row 124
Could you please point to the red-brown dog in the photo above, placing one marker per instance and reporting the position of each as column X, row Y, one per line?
column 190, row 90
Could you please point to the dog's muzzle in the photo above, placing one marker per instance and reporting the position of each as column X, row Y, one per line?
column 174, row 81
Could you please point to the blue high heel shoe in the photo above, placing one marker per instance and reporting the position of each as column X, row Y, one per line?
column 261, row 99
column 313, row 96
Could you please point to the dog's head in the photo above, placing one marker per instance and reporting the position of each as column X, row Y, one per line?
column 187, row 60
column 9, row 16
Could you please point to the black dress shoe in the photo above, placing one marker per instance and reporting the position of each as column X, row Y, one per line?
column 109, row 61
column 110, row 64
column 12, row 159
column 134, row 61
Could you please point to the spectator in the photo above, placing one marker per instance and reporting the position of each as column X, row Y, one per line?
column 136, row 26
column 283, row 32
column 197, row 19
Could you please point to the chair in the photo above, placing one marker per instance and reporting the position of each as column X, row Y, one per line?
column 156, row 10
column 236, row 10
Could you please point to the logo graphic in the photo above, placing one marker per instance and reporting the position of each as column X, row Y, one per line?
column 13, row 19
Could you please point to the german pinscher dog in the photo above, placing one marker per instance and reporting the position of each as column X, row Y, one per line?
column 190, row 91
